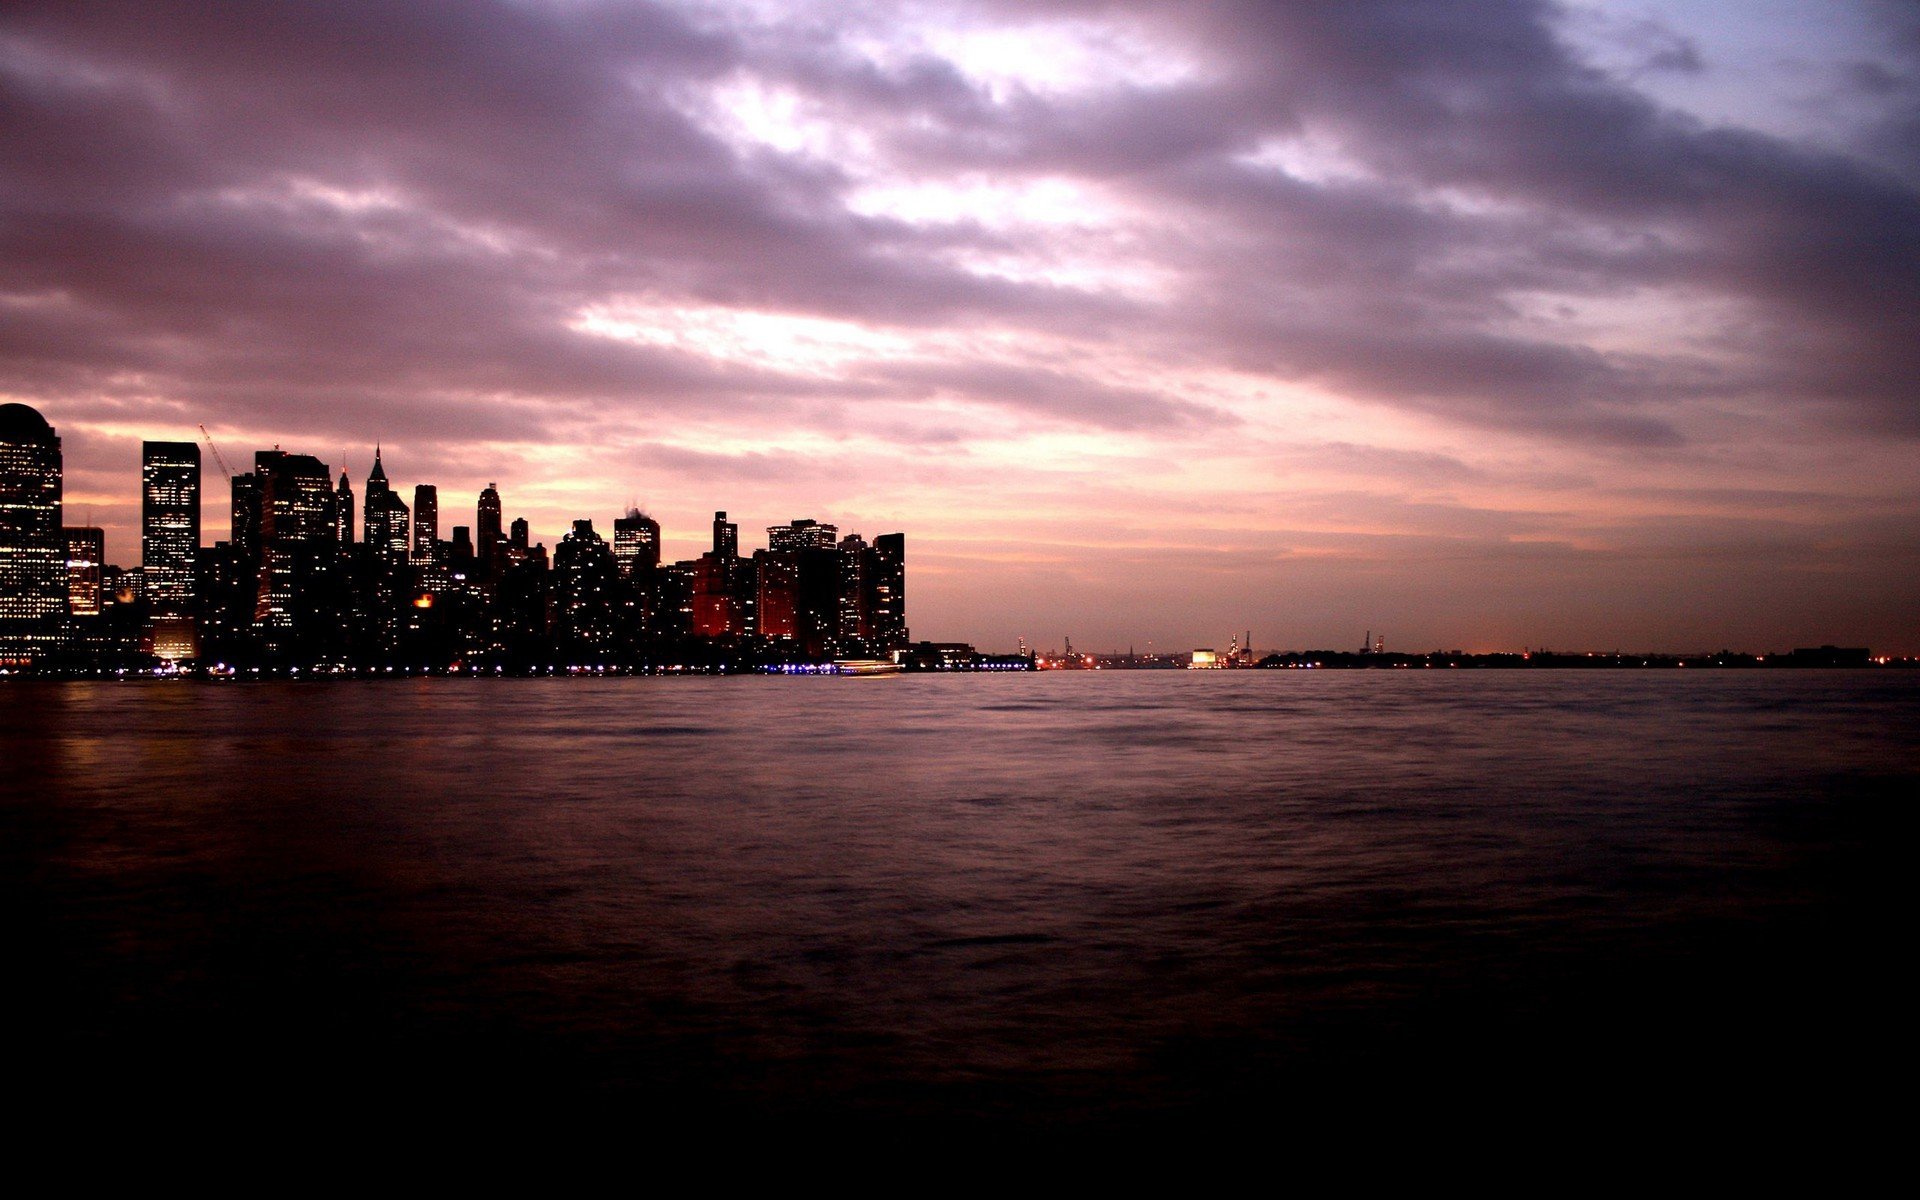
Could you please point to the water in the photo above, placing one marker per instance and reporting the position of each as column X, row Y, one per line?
column 1063, row 902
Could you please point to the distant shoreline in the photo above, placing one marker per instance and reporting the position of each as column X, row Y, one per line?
column 1475, row 663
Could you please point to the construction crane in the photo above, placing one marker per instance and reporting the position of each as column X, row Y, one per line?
column 217, row 456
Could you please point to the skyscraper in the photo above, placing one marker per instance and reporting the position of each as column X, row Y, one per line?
column 636, row 543
column 715, row 607
column 857, row 568
column 169, row 522
column 388, row 530
column 245, row 510
column 86, row 554
column 776, row 578
column 487, row 531
column 803, row 534
column 343, row 513
column 799, row 585
column 887, row 590
column 426, row 523
column 726, row 537
column 396, row 536
column 376, row 510
column 585, row 595
column 33, row 550
column 296, row 517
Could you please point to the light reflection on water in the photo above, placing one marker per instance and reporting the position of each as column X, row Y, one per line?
column 1068, row 897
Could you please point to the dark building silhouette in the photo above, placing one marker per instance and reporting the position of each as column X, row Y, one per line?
column 855, row 618
column 1828, row 656
column 746, row 596
column 33, row 551
column 169, row 523
column 227, row 578
column 714, row 608
column 297, row 547
column 585, row 595
column 672, row 615
column 798, row 586
column 486, row 529
column 426, row 523
column 244, row 529
column 817, row 601
column 777, row 578
column 718, row 605
column 520, row 614
column 888, row 591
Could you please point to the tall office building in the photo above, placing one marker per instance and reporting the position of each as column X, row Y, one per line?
column 726, row 537
column 386, row 521
column 86, row 556
column 636, row 543
column 426, row 523
column 798, row 585
column 585, row 594
column 887, row 590
column 393, row 524
column 374, row 505
column 244, row 535
column 343, row 513
column 486, row 529
column 817, row 600
column 33, row 551
column 169, row 522
column 460, row 549
column 776, row 579
column 856, row 598
column 296, row 516
column 714, row 610
column 803, row 534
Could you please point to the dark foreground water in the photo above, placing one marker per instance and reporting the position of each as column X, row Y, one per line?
column 1058, row 903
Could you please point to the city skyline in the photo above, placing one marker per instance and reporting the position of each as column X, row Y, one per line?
column 1154, row 324
column 292, row 588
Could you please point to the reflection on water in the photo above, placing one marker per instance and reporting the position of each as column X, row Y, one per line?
column 1074, row 900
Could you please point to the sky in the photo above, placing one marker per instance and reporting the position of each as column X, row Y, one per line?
column 1479, row 325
